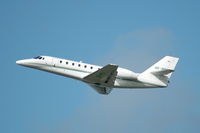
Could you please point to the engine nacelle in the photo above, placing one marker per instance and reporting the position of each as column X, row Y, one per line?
column 126, row 74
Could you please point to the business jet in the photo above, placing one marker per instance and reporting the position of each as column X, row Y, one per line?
column 104, row 79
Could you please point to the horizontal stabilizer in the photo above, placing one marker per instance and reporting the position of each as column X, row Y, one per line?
column 162, row 72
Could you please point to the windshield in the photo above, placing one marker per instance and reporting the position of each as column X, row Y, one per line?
column 38, row 57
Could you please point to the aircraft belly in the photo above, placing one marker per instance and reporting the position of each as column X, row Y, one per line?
column 120, row 83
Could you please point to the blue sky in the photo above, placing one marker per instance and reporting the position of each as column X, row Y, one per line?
column 133, row 34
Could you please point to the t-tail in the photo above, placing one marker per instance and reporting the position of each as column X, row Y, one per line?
column 159, row 74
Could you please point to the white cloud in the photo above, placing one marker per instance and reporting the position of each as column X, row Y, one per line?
column 141, row 48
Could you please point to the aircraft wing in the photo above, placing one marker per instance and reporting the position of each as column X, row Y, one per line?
column 103, row 77
column 101, row 90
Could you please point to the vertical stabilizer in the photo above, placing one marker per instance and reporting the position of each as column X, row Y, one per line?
column 160, row 72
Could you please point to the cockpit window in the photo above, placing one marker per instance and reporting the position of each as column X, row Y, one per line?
column 38, row 57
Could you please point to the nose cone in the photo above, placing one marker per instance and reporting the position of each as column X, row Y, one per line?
column 26, row 62
column 33, row 63
column 19, row 62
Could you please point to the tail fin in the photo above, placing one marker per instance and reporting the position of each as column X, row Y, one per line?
column 160, row 72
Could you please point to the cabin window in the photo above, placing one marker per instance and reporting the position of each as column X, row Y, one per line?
column 79, row 65
column 91, row 67
column 73, row 64
column 60, row 61
column 66, row 62
column 85, row 66
column 40, row 57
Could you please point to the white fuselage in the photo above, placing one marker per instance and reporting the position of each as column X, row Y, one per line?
column 78, row 70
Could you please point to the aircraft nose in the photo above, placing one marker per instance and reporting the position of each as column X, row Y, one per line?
column 25, row 62
column 19, row 62
column 22, row 62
